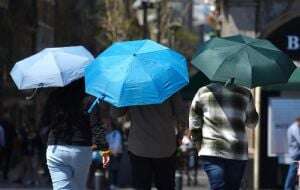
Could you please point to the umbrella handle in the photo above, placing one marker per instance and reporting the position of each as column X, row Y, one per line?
column 32, row 95
column 229, row 82
column 93, row 105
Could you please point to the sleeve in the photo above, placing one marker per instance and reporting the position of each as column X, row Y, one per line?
column 293, row 144
column 98, row 131
column 180, row 113
column 117, row 112
column 196, row 119
column 251, row 114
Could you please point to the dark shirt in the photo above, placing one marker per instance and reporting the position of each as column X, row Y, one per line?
column 82, row 129
column 153, row 127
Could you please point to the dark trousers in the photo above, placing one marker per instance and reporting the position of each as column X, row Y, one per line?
column 224, row 174
column 162, row 170
column 5, row 160
column 290, row 180
column 114, row 167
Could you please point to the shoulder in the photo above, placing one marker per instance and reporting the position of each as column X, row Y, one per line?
column 293, row 126
column 203, row 90
column 243, row 91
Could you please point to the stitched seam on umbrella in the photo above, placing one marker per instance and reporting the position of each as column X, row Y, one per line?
column 254, row 46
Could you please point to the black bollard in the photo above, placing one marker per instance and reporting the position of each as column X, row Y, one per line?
column 178, row 180
column 98, row 179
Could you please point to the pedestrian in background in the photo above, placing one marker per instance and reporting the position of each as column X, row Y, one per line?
column 293, row 137
column 217, row 120
column 29, row 142
column 72, row 133
column 115, row 142
column 152, row 142
column 9, row 141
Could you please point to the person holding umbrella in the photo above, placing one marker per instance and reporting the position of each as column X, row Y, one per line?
column 72, row 133
column 221, row 111
column 152, row 141
column 72, row 129
column 142, row 78
column 218, row 117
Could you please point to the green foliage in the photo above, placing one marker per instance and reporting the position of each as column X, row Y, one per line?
column 116, row 24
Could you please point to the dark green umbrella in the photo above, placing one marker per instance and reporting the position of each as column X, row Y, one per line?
column 250, row 62
column 196, row 81
column 292, row 84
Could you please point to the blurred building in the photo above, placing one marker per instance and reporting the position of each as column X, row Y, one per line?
column 278, row 21
column 29, row 26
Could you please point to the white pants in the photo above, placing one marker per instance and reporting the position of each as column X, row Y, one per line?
column 69, row 166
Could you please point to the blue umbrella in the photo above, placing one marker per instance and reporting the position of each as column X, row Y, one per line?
column 136, row 73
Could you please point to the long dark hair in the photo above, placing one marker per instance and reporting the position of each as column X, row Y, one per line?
column 66, row 105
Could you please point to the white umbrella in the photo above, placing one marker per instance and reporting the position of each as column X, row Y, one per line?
column 51, row 67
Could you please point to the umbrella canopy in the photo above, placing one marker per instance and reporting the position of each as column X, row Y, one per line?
column 136, row 73
column 51, row 67
column 250, row 62
column 292, row 84
column 196, row 81
column 295, row 77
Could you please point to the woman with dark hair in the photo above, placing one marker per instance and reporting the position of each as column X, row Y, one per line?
column 72, row 133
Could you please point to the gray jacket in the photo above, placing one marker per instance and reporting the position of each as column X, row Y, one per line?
column 152, row 133
column 293, row 136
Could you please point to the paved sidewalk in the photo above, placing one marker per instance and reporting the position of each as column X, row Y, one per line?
column 202, row 185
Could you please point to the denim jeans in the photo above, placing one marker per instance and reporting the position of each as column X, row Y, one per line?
column 224, row 174
column 290, row 180
column 69, row 166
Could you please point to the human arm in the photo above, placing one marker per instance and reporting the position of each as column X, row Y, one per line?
column 293, row 142
column 180, row 113
column 251, row 114
column 98, row 132
column 196, row 120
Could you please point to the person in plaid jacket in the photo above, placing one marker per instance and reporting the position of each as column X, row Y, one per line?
column 218, row 118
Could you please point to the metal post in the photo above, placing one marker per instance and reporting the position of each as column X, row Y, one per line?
column 98, row 179
column 158, row 21
column 178, row 180
column 257, row 141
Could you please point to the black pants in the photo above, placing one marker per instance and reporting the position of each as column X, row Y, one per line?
column 162, row 170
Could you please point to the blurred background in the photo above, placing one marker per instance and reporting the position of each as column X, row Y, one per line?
column 28, row 26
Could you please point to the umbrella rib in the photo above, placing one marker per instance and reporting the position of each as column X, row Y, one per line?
column 277, row 65
column 257, row 47
column 230, row 56
column 155, row 51
column 155, row 85
column 127, row 72
column 54, row 57
column 251, row 70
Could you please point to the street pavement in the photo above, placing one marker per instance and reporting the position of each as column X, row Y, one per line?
column 202, row 185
